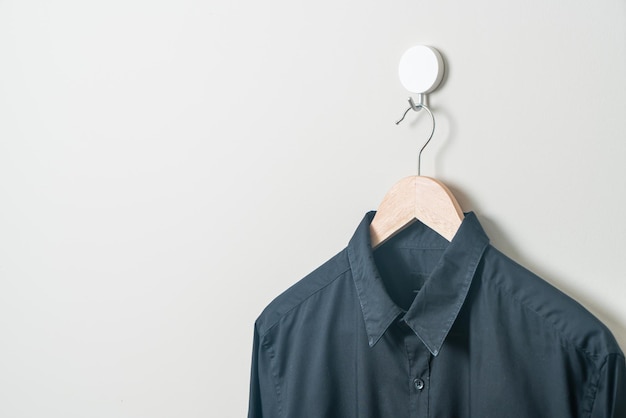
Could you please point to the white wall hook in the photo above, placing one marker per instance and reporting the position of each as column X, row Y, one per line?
column 421, row 69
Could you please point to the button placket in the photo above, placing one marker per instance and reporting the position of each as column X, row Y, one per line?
column 419, row 375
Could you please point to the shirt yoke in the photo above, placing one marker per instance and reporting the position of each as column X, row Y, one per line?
column 299, row 292
column 574, row 323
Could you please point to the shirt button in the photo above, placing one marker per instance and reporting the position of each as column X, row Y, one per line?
column 419, row 384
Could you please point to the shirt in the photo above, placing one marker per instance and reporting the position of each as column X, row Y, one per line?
column 423, row 327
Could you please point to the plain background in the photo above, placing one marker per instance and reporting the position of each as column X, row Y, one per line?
column 168, row 167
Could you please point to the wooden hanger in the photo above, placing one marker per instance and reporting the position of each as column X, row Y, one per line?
column 416, row 198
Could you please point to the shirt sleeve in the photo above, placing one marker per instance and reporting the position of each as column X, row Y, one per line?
column 263, row 399
column 610, row 401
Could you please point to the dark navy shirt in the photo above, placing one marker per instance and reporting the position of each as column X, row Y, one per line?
column 423, row 327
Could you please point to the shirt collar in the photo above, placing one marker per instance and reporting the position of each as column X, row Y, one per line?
column 438, row 302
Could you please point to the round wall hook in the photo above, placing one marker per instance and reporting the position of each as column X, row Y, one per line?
column 421, row 69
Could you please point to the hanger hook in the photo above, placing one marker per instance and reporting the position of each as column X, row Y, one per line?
column 417, row 107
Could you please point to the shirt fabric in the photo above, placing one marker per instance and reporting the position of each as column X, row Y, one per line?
column 423, row 327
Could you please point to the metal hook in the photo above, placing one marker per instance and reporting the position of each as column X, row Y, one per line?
column 417, row 107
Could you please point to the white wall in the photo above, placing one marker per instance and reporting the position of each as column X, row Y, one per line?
column 168, row 167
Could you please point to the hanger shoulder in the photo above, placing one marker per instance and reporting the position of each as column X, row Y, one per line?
column 437, row 207
column 416, row 198
column 395, row 212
